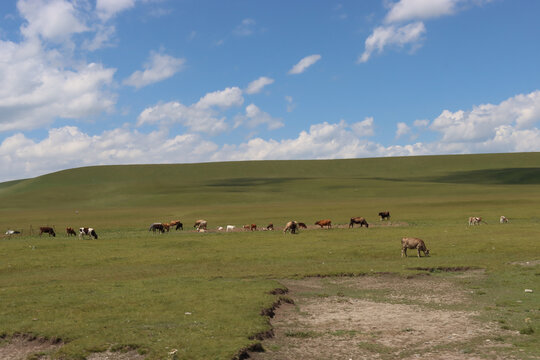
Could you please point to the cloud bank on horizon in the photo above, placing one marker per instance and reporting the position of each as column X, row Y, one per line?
column 121, row 82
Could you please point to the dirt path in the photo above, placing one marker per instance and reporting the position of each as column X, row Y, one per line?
column 381, row 317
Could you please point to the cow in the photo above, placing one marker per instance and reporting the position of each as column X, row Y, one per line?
column 166, row 226
column 503, row 219
column 220, row 228
column 270, row 227
column 70, row 231
column 87, row 231
column 413, row 243
column 157, row 227
column 230, row 228
column 178, row 224
column 47, row 230
column 13, row 232
column 358, row 220
column 385, row 215
column 200, row 224
column 301, row 225
column 323, row 223
column 475, row 220
column 253, row 227
column 246, row 227
column 291, row 226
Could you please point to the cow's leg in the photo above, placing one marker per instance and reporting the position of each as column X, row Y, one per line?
column 418, row 249
column 403, row 252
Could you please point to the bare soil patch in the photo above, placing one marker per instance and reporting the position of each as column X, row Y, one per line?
column 381, row 317
column 24, row 347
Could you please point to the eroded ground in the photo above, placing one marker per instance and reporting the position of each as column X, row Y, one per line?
column 382, row 317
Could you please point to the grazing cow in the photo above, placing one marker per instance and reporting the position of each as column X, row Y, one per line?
column 323, row 223
column 87, row 231
column 157, row 227
column 302, row 225
column 503, row 219
column 413, row 243
column 246, row 227
column 70, row 231
column 178, row 224
column 291, row 226
column 220, row 228
column 13, row 232
column 166, row 226
column 47, row 230
column 475, row 220
column 253, row 227
column 230, row 227
column 358, row 220
column 385, row 215
column 270, row 227
column 200, row 224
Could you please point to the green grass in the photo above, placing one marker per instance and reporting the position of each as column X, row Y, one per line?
column 203, row 293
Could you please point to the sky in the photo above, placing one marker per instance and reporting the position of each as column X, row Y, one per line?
column 107, row 82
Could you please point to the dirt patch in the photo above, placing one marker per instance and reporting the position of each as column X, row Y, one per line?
column 381, row 317
column 23, row 347
column 526, row 263
column 109, row 355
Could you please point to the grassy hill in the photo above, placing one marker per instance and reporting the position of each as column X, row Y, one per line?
column 134, row 289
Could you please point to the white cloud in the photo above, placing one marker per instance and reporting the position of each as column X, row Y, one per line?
column 54, row 20
column 38, row 87
column 160, row 67
column 255, row 117
column 107, row 9
column 421, row 123
column 364, row 127
column 407, row 10
column 201, row 117
column 303, row 64
column 402, row 129
column 256, row 86
column 68, row 147
column 384, row 36
column 481, row 123
column 290, row 104
column 245, row 28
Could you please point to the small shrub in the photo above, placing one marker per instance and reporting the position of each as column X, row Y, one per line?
column 527, row 331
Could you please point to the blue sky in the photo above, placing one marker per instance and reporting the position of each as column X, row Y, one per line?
column 87, row 82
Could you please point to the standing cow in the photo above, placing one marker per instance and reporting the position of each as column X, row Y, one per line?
column 503, row 219
column 413, row 243
column 358, row 220
column 200, row 225
column 323, row 223
column 385, row 215
column 70, row 231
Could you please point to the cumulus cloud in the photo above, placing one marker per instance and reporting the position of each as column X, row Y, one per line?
column 255, row 117
column 384, row 36
column 256, row 86
column 303, row 64
column 54, row 20
column 158, row 68
column 402, row 129
column 107, row 9
column 37, row 87
column 403, row 24
column 201, row 117
column 481, row 123
column 407, row 10
column 364, row 127
column 63, row 148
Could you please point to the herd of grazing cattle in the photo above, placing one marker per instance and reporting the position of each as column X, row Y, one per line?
column 291, row 226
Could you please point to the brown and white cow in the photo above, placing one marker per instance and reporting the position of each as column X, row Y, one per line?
column 87, row 231
column 358, row 220
column 270, row 227
column 70, row 231
column 323, row 223
column 413, row 243
column 200, row 224
column 503, row 219
column 385, row 215
column 475, row 220
column 47, row 230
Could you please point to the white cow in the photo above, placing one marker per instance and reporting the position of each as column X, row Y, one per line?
column 503, row 219
column 230, row 227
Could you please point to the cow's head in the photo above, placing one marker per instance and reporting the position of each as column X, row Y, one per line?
column 426, row 252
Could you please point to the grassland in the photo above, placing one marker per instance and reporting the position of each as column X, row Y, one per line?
column 202, row 294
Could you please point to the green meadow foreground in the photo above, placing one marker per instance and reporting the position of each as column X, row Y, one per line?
column 189, row 295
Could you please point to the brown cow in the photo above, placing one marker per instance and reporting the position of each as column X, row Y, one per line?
column 177, row 223
column 270, row 227
column 323, row 223
column 291, row 226
column 302, row 225
column 385, row 215
column 70, row 231
column 413, row 243
column 253, row 227
column 358, row 220
column 200, row 224
column 47, row 230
